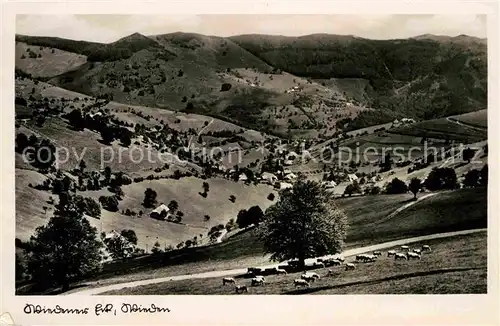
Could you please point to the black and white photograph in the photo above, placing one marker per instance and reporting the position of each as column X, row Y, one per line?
column 251, row 154
column 219, row 163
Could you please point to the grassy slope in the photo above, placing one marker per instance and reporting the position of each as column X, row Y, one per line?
column 456, row 265
column 458, row 210
column 52, row 61
column 29, row 203
column 442, row 129
column 132, row 70
column 477, row 119
column 422, row 78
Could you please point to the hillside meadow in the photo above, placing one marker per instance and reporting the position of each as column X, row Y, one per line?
column 456, row 210
column 455, row 265
column 186, row 191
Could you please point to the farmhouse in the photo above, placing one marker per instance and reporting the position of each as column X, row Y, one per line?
column 352, row 177
column 127, row 246
column 160, row 212
column 97, row 114
column 329, row 184
column 268, row 178
column 407, row 120
column 290, row 176
column 285, row 185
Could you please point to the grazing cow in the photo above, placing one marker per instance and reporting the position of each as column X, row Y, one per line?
column 349, row 266
column 280, row 271
column 426, row 248
column 377, row 253
column 405, row 248
column 370, row 258
column 307, row 278
column 399, row 256
column 391, row 253
column 227, row 280
column 300, row 282
column 360, row 257
column 313, row 274
column 417, row 251
column 336, row 262
column 413, row 255
column 241, row 288
column 258, row 281
column 366, row 258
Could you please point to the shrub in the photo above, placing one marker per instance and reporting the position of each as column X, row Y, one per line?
column 225, row 87
column 441, row 178
column 149, row 198
column 270, row 196
column 109, row 203
column 396, row 186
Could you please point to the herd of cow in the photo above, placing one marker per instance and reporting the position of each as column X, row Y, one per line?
column 307, row 277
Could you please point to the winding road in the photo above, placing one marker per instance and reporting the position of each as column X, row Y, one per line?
column 222, row 273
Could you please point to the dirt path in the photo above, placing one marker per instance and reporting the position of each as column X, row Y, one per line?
column 347, row 253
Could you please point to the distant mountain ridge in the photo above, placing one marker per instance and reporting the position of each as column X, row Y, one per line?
column 425, row 77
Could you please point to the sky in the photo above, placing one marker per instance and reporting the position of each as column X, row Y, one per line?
column 109, row 28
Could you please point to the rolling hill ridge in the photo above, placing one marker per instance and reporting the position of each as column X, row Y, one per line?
column 424, row 77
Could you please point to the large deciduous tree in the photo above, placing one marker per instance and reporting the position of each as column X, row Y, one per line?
column 304, row 223
column 64, row 248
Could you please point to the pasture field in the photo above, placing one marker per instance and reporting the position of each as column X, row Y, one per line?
column 372, row 147
column 370, row 129
column 443, row 129
column 476, row 119
column 46, row 61
column 74, row 145
column 458, row 210
column 30, row 201
column 456, row 265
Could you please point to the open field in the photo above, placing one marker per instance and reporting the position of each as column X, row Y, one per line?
column 443, row 129
column 476, row 119
column 75, row 145
column 458, row 210
column 455, row 265
column 45, row 61
column 29, row 203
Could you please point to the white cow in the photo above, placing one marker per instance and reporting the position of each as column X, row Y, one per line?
column 227, row 280
column 391, row 253
column 426, row 248
column 313, row 274
column 241, row 288
column 413, row 255
column 399, row 256
column 258, row 281
column 405, row 248
column 300, row 282
column 349, row 266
